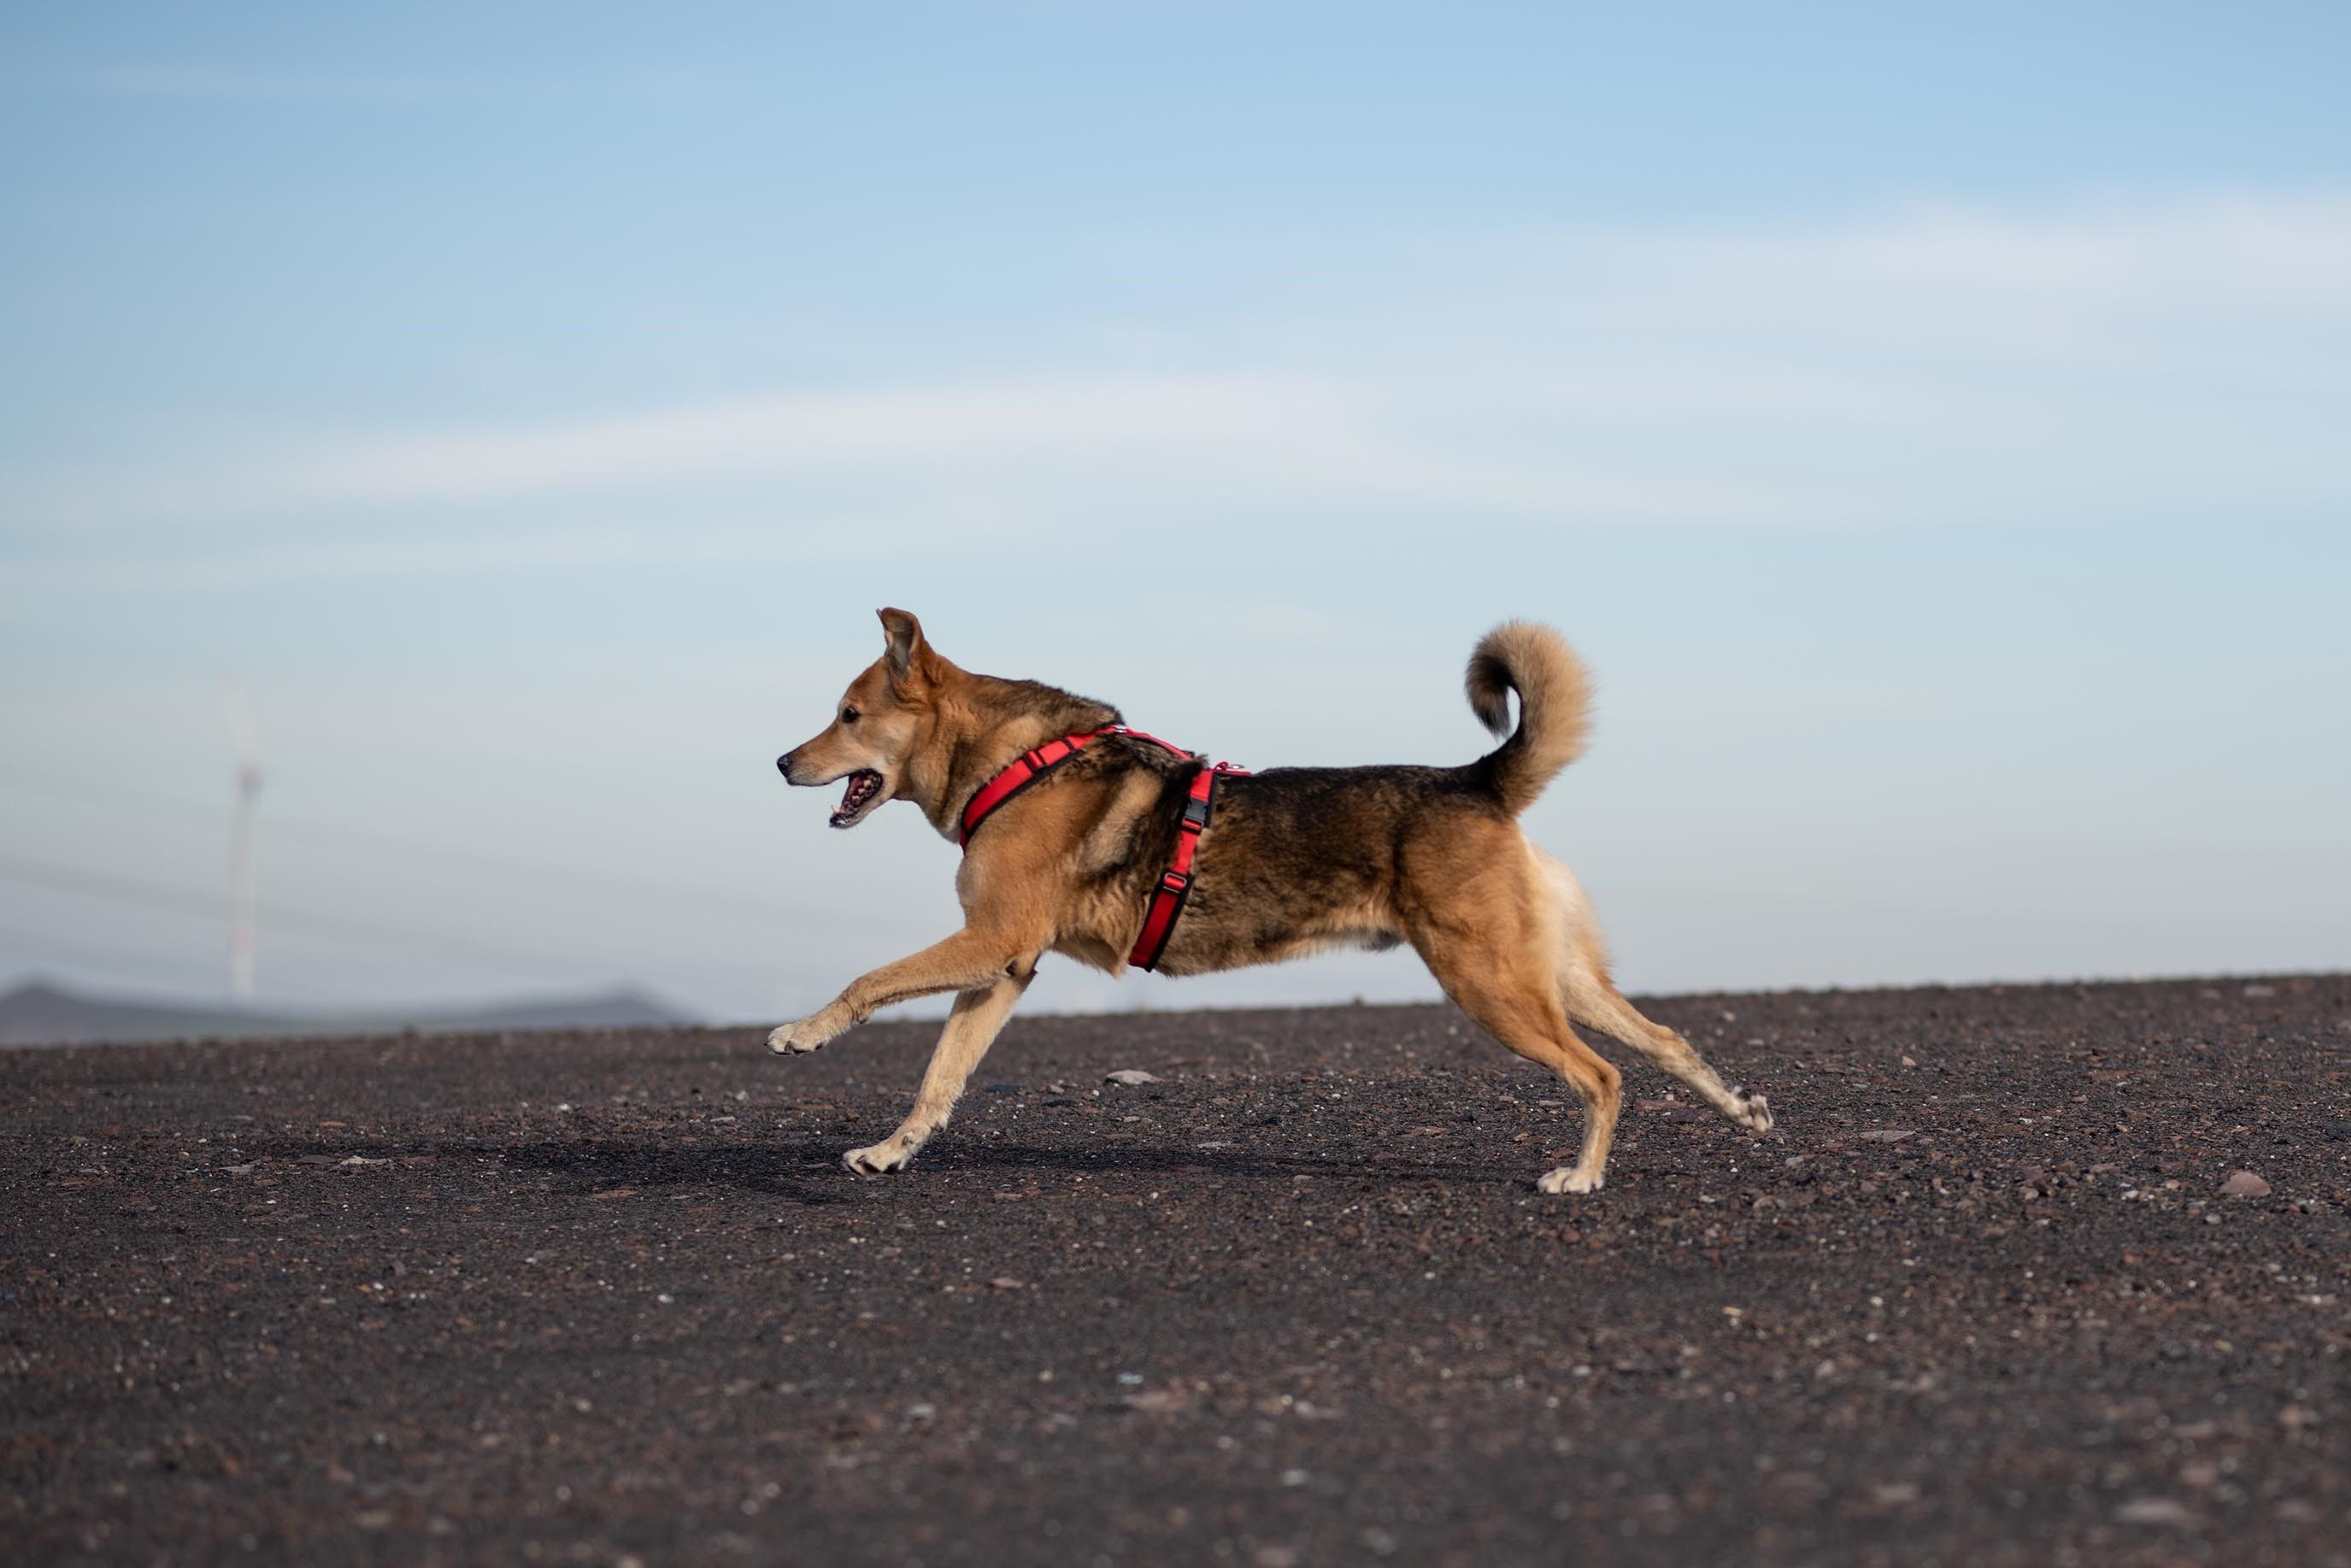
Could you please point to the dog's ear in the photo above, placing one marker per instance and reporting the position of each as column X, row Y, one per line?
column 904, row 634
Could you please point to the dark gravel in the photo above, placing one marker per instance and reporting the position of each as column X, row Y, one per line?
column 609, row 1298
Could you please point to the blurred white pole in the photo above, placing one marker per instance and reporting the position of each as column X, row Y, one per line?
column 240, row 850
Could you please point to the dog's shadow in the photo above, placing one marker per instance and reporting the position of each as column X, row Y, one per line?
column 799, row 1171
column 809, row 1171
column 1215, row 1163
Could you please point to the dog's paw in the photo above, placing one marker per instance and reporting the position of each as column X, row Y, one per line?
column 885, row 1159
column 796, row 1039
column 1570, row 1179
column 1753, row 1113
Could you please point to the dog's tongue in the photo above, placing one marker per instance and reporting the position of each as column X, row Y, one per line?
column 849, row 794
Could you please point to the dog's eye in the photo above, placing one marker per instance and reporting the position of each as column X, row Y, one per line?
column 849, row 716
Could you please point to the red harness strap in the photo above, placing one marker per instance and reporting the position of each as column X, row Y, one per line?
column 1175, row 885
column 1024, row 770
column 1031, row 765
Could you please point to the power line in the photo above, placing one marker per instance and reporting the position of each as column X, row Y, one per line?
column 390, row 846
column 67, row 950
column 187, row 901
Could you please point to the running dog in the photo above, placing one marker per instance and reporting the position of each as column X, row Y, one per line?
column 1079, row 833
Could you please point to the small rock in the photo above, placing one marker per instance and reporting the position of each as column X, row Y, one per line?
column 2153, row 1510
column 1006, row 1282
column 1132, row 1077
column 2244, row 1183
column 1890, row 1135
column 2259, row 990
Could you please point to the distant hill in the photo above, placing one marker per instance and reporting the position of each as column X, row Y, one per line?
column 40, row 1013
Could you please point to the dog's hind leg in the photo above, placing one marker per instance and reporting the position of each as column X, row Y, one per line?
column 971, row 1027
column 1592, row 1000
column 1601, row 1010
column 1598, row 1007
column 1511, row 996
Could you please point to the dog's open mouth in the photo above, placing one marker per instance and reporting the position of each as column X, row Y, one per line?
column 864, row 788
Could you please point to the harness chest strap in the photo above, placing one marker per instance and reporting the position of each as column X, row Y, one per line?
column 1176, row 884
column 1034, row 764
column 1022, row 771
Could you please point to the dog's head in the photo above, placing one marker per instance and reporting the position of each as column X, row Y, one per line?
column 875, row 726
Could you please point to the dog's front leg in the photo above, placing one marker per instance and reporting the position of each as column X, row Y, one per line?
column 969, row 960
column 971, row 1028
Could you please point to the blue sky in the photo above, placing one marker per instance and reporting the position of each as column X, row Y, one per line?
column 1932, row 431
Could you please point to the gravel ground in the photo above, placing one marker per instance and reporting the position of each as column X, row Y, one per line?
column 609, row 1298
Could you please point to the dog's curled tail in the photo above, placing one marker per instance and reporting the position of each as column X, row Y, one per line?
column 1555, row 707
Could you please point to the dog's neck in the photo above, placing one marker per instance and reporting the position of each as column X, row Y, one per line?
column 981, row 723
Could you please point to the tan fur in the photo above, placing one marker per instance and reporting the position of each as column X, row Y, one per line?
column 1554, row 696
column 1294, row 860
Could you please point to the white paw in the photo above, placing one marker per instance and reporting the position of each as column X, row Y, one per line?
column 1570, row 1178
column 1754, row 1113
column 796, row 1039
column 883, row 1158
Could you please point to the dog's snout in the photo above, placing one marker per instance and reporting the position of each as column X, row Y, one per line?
column 784, row 765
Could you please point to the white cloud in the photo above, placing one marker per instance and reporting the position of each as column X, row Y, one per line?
column 985, row 423
column 2109, row 365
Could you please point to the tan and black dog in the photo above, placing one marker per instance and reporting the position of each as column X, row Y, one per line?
column 1296, row 860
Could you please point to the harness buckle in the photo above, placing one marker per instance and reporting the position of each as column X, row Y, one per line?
column 1175, row 882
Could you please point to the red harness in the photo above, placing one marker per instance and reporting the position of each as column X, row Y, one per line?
column 1176, row 884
